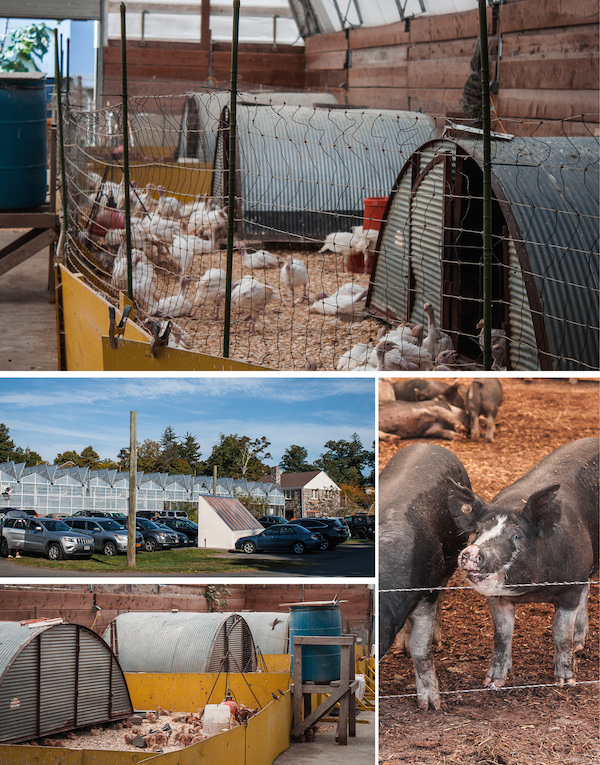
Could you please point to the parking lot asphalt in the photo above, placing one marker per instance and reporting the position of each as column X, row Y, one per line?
column 347, row 560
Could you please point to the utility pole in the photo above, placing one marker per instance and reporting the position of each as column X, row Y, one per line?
column 132, row 489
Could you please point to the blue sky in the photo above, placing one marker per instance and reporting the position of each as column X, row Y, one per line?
column 55, row 414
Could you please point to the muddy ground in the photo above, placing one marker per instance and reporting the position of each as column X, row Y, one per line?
column 536, row 723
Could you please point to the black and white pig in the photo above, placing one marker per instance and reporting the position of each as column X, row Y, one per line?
column 418, row 548
column 541, row 529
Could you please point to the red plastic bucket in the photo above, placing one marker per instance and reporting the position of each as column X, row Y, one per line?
column 374, row 211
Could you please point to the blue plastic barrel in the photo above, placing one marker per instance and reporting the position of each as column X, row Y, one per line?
column 22, row 140
column 320, row 663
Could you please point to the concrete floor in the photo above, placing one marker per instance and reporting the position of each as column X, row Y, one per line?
column 324, row 749
column 28, row 319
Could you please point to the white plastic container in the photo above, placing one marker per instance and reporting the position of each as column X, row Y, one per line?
column 217, row 717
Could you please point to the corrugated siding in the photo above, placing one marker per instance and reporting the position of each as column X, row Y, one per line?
column 233, row 647
column 306, row 171
column 179, row 642
column 390, row 289
column 19, row 695
column 270, row 630
column 523, row 344
column 120, row 699
column 93, row 698
column 58, row 678
column 81, row 10
column 552, row 185
column 232, row 512
column 426, row 239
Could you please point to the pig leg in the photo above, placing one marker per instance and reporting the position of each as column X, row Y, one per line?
column 503, row 616
column 564, row 656
column 491, row 426
column 438, row 431
column 580, row 631
column 402, row 641
column 422, row 624
column 474, row 426
column 389, row 438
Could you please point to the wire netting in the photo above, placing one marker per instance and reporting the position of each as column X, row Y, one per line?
column 347, row 223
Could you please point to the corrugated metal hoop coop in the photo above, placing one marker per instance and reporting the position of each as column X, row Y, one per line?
column 182, row 642
column 545, row 247
column 202, row 114
column 304, row 172
column 270, row 631
column 56, row 677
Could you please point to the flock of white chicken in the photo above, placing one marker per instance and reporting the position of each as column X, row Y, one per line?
column 163, row 230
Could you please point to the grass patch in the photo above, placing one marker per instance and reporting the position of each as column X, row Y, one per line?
column 194, row 561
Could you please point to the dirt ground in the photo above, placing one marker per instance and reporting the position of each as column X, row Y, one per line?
column 285, row 337
column 536, row 723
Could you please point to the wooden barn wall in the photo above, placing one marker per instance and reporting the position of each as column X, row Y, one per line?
column 548, row 69
column 98, row 605
column 171, row 68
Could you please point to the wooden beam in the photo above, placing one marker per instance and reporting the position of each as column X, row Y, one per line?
column 580, row 73
column 25, row 247
column 542, row 14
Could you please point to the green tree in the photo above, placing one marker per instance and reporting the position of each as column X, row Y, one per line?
column 68, row 456
column 6, row 444
column 149, row 456
column 294, row 460
column 189, row 450
column 239, row 457
column 180, row 466
column 24, row 46
column 89, row 458
column 344, row 461
column 23, row 455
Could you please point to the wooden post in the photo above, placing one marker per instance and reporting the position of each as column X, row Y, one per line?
column 132, row 489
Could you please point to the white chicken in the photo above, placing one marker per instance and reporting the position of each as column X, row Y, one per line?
column 361, row 357
column 94, row 180
column 211, row 223
column 402, row 356
column 200, row 203
column 176, row 305
column 185, row 248
column 330, row 305
column 436, row 340
column 293, row 276
column 346, row 244
column 258, row 259
column 142, row 277
column 178, row 337
column 252, row 295
column 168, row 207
column 159, row 230
column 208, row 288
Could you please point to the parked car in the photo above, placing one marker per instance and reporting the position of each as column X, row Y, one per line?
column 155, row 538
column 116, row 516
column 269, row 520
column 162, row 514
column 183, row 526
column 20, row 512
column 361, row 525
column 90, row 514
column 149, row 514
column 281, row 536
column 331, row 529
column 44, row 536
column 182, row 540
column 110, row 536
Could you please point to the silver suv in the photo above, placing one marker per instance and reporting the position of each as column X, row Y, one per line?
column 44, row 536
column 110, row 536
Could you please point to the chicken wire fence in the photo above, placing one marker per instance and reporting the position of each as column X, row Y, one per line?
column 347, row 223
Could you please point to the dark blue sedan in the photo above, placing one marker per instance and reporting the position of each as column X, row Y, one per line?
column 280, row 537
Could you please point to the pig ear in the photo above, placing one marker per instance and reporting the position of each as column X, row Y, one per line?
column 464, row 505
column 543, row 510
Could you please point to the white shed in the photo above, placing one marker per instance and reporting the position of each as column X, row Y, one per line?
column 222, row 521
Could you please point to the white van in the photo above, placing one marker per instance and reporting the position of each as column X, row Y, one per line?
column 172, row 514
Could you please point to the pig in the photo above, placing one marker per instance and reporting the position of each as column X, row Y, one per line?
column 418, row 548
column 542, row 528
column 423, row 390
column 484, row 397
column 423, row 419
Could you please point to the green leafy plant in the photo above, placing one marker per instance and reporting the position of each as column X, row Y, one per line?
column 24, row 46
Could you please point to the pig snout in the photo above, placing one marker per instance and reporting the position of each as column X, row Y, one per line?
column 472, row 558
